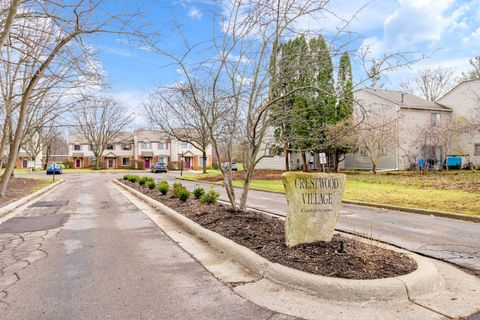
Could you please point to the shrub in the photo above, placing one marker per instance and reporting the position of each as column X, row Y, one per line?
column 163, row 187
column 198, row 192
column 151, row 184
column 126, row 178
column 211, row 197
column 183, row 195
column 142, row 181
column 177, row 187
column 133, row 179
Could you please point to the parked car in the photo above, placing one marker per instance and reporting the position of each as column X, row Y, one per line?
column 54, row 168
column 159, row 167
column 226, row 166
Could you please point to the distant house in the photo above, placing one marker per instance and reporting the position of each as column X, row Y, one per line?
column 138, row 149
column 464, row 101
column 411, row 114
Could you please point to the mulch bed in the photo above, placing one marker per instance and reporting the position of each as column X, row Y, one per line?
column 342, row 258
column 18, row 188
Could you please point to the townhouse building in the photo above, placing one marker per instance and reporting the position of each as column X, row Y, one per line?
column 413, row 117
column 138, row 149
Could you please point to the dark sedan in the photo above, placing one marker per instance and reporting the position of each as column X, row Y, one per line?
column 159, row 167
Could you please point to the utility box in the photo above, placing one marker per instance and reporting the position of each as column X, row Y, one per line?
column 454, row 162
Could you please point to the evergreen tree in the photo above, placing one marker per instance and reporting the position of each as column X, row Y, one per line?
column 345, row 88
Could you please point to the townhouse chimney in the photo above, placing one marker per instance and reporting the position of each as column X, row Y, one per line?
column 403, row 98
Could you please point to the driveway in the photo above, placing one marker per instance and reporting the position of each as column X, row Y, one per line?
column 85, row 252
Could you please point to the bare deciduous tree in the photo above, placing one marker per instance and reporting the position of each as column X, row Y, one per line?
column 182, row 115
column 100, row 122
column 431, row 82
column 376, row 135
column 51, row 37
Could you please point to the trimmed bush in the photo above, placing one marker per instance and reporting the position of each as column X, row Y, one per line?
column 183, row 195
column 177, row 187
column 126, row 178
column 142, row 181
column 198, row 192
column 211, row 197
column 133, row 179
column 163, row 187
column 151, row 184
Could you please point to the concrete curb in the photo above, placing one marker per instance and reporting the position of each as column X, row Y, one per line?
column 423, row 282
column 14, row 205
column 436, row 213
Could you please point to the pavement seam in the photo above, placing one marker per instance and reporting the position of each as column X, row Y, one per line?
column 421, row 305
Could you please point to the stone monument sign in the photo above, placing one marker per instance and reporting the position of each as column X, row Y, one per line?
column 314, row 201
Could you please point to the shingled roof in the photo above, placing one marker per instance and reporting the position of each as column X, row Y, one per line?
column 405, row 100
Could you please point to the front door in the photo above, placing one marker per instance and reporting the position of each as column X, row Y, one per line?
column 147, row 163
column 111, row 163
column 25, row 163
column 77, row 163
column 187, row 163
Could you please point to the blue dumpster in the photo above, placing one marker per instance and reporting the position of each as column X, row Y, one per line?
column 454, row 162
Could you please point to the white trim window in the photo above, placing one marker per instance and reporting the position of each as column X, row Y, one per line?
column 77, row 147
column 126, row 147
column 436, row 118
column 476, row 149
column 163, row 146
column 125, row 162
column 186, row 145
column 200, row 160
column 91, row 161
column 147, row 145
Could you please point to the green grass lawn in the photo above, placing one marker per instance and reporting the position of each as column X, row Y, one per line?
column 454, row 191
column 45, row 182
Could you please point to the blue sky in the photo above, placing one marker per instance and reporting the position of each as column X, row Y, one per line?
column 448, row 31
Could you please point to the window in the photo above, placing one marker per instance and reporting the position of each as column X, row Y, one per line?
column 385, row 151
column 363, row 152
column 476, row 149
column 125, row 161
column 200, row 160
column 77, row 147
column 126, row 146
column 161, row 159
column 90, row 147
column 185, row 145
column 162, row 146
column 435, row 119
column 110, row 147
column 146, row 145
column 91, row 161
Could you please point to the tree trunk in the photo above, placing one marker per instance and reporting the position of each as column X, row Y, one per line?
column 287, row 158
column 204, row 155
column 304, row 160
column 97, row 162
column 246, row 187
column 3, row 142
column 337, row 158
column 374, row 168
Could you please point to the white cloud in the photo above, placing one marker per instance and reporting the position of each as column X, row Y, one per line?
column 194, row 13
column 417, row 21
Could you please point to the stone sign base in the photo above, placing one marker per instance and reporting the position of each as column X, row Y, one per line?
column 314, row 201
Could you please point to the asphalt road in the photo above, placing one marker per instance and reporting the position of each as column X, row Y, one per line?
column 450, row 240
column 85, row 252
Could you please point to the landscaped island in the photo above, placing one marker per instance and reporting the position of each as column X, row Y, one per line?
column 343, row 257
